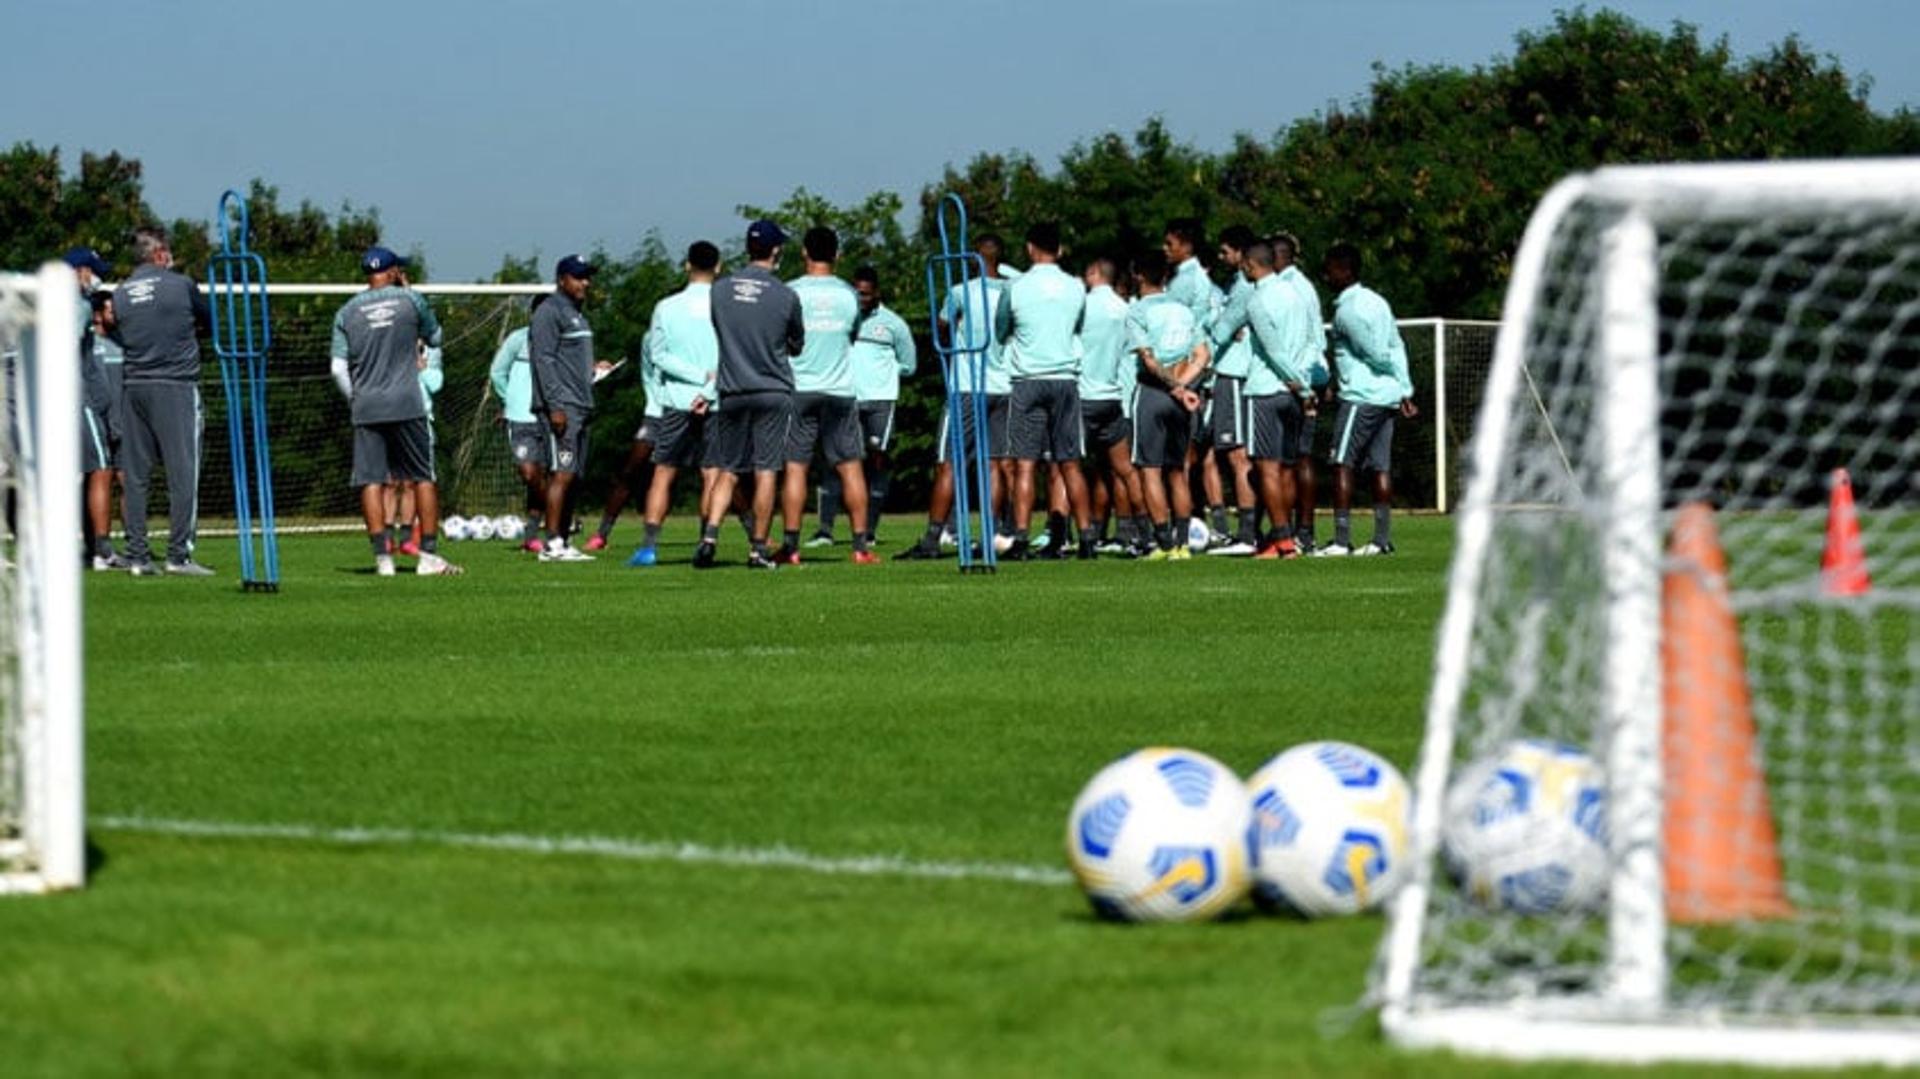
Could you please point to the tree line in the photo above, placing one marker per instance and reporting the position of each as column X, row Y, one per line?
column 1433, row 172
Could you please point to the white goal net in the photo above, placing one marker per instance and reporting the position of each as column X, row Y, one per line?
column 42, row 832
column 1717, row 857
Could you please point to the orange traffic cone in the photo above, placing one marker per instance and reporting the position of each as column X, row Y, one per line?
column 1843, row 568
column 1722, row 863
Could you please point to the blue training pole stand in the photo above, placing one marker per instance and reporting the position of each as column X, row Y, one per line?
column 242, row 336
column 963, row 354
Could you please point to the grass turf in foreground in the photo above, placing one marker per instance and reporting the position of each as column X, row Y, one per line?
column 840, row 710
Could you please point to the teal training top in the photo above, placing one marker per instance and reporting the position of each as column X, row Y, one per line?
column 974, row 329
column 1105, row 371
column 512, row 377
column 1317, row 365
column 1232, row 352
column 829, row 307
column 1194, row 291
column 1280, row 336
column 1368, row 350
column 680, row 355
column 883, row 351
column 1165, row 326
column 1038, row 317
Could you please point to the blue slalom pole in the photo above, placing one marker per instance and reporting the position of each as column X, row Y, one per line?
column 963, row 366
column 242, row 338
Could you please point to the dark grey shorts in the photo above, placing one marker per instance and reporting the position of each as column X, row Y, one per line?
column 1106, row 425
column 998, row 407
column 832, row 423
column 1309, row 427
column 96, row 442
column 1276, row 427
column 1162, row 429
column 567, row 450
column 1046, row 421
column 876, row 425
column 749, row 433
column 528, row 442
column 1363, row 436
column 401, row 450
column 1231, row 415
column 677, row 436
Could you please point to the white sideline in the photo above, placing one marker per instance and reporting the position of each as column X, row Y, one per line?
column 632, row 850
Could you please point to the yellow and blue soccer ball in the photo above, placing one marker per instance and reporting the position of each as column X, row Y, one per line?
column 1525, row 829
column 1160, row 835
column 1330, row 824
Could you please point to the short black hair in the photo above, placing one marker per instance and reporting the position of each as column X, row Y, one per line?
column 1188, row 230
column 868, row 274
column 1346, row 255
column 1286, row 243
column 703, row 256
column 1238, row 237
column 821, row 244
column 1151, row 267
column 1045, row 236
column 1258, row 253
column 990, row 239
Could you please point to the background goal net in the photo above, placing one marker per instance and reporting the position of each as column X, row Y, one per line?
column 1675, row 335
column 42, row 834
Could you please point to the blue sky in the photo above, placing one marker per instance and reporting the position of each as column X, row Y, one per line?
column 481, row 128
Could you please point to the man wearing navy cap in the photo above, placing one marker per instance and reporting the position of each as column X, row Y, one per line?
column 376, row 362
column 97, row 412
column 560, row 343
column 759, row 328
column 158, row 315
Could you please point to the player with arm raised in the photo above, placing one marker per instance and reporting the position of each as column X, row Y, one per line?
column 825, row 412
column 376, row 363
column 560, row 346
column 1171, row 354
column 512, row 378
column 1038, row 318
column 158, row 315
column 758, row 327
column 678, row 365
column 97, row 434
column 1374, row 389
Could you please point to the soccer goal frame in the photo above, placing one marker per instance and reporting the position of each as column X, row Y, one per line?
column 1625, row 1013
column 42, row 823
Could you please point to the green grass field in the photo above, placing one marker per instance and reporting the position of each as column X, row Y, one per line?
column 782, row 767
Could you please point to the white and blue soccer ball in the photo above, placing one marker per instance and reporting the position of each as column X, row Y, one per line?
column 510, row 527
column 1160, row 835
column 455, row 528
column 1330, row 824
column 480, row 528
column 1525, row 830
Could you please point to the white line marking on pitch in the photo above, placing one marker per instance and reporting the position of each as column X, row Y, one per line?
column 873, row 865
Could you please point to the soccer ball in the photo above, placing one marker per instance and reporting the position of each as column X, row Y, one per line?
column 1330, row 823
column 1198, row 534
column 510, row 527
column 480, row 528
column 1160, row 835
column 1526, row 829
column 455, row 528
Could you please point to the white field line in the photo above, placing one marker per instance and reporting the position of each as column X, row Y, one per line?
column 631, row 850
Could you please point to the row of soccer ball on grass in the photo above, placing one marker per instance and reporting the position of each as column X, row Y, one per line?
column 1322, row 830
column 504, row 527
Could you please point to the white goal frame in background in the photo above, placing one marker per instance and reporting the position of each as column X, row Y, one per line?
column 1624, row 1017
column 48, row 850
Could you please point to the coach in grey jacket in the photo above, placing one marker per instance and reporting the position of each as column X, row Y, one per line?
column 158, row 315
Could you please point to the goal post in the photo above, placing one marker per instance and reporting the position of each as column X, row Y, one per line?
column 42, row 800
column 1717, row 342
